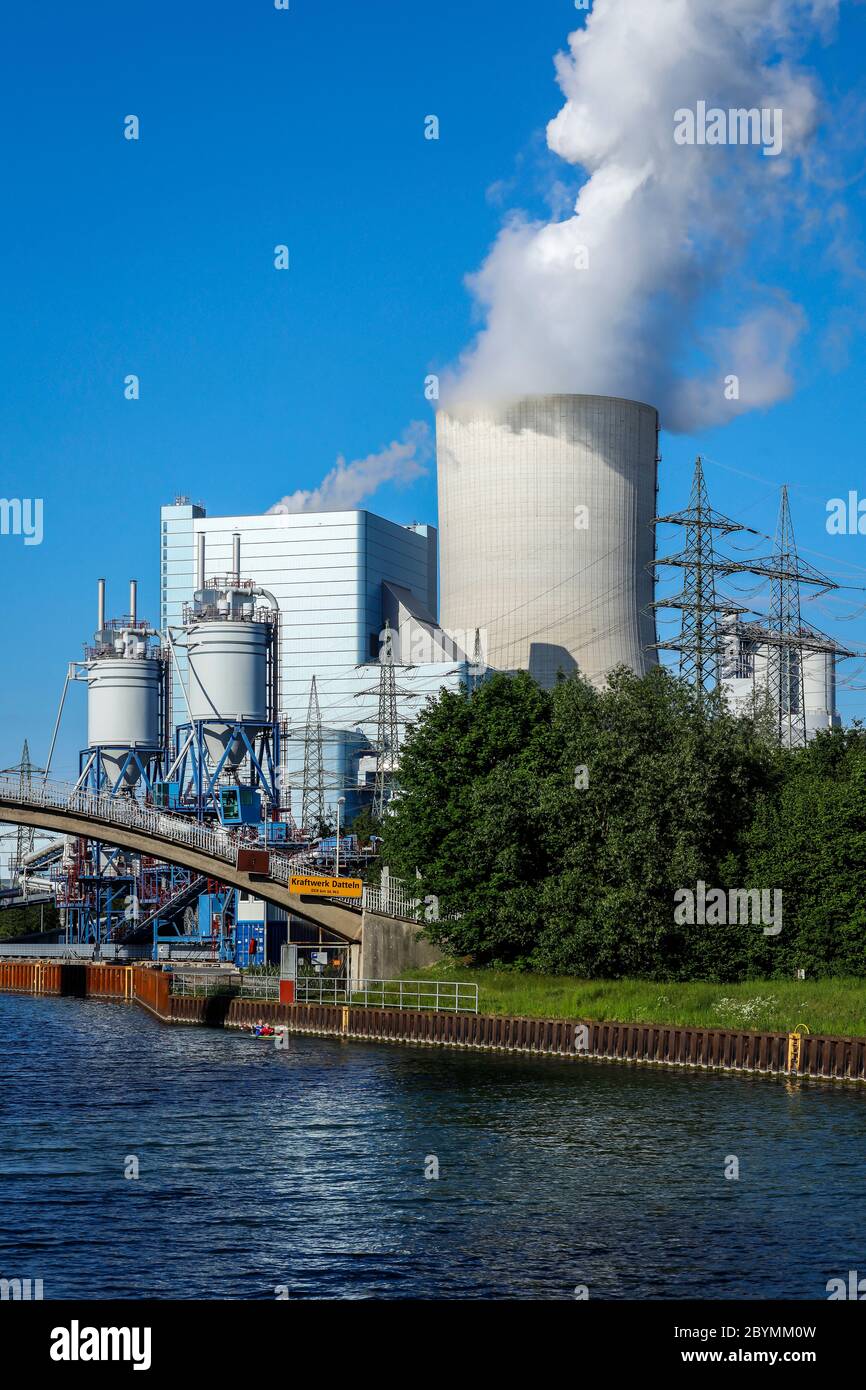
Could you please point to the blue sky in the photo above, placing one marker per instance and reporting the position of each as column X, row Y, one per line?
column 156, row 257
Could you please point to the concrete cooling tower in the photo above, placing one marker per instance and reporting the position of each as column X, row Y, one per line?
column 546, row 509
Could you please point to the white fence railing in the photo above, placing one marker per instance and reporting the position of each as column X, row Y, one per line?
column 199, row 982
column 395, row 900
column 453, row 996
column 260, row 986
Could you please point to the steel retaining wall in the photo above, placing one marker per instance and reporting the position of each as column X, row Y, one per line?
column 151, row 990
column 77, row 978
column 829, row 1058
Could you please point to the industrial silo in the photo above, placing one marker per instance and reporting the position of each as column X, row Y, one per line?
column 227, row 754
column 228, row 667
column 125, row 674
column 819, row 690
column 229, row 644
column 546, row 507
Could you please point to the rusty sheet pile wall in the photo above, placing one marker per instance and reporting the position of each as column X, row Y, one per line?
column 831, row 1058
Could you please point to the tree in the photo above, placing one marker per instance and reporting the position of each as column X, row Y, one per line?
column 670, row 779
column 810, row 840
column 464, row 818
column 365, row 826
column 561, row 824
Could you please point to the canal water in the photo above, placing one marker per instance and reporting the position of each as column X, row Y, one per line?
column 302, row 1172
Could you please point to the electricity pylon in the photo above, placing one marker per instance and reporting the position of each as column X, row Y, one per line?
column 387, row 735
column 25, row 836
column 782, row 636
column 785, row 655
column 313, row 794
column 477, row 662
column 388, row 721
column 698, row 642
column 786, row 636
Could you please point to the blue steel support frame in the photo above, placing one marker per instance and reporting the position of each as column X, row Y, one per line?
column 261, row 744
column 106, row 907
column 94, row 920
column 149, row 765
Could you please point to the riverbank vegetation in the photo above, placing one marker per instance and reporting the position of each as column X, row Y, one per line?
column 834, row 1006
column 17, row 921
column 561, row 826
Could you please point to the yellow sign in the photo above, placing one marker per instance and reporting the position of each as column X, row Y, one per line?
column 320, row 886
column 795, row 1046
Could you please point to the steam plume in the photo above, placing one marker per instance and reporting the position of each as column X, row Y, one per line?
column 668, row 305
column 348, row 484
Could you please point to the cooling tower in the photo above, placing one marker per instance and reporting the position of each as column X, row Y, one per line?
column 546, row 509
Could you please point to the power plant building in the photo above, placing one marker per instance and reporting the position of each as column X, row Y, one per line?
column 337, row 577
column 546, row 508
column 745, row 671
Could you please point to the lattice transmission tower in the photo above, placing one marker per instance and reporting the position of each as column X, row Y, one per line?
column 780, row 638
column 25, row 834
column 387, row 725
column 785, row 655
column 786, row 638
column 313, row 793
column 698, row 643
column 478, row 664
column 388, row 720
column 789, row 637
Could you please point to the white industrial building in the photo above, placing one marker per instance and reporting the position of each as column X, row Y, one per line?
column 546, row 508
column 336, row 577
column 744, row 674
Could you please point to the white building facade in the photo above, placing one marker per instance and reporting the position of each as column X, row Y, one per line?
column 745, row 675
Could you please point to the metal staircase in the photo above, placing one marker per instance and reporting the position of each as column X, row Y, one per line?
column 168, row 911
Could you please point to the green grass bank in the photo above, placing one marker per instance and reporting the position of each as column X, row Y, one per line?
column 834, row 1006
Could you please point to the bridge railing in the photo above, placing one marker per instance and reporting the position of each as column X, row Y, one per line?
column 126, row 811
column 395, row 900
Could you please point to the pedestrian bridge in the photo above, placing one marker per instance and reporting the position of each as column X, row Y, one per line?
column 124, row 822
